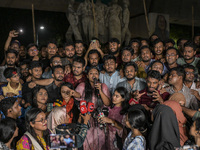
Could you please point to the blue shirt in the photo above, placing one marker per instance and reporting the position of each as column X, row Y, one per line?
column 134, row 143
column 111, row 81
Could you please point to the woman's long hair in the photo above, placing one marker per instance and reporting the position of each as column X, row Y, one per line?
column 31, row 115
column 124, row 94
column 138, row 120
column 89, row 90
column 35, row 92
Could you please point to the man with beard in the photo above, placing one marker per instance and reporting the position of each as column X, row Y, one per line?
column 79, row 48
column 111, row 77
column 146, row 59
column 189, row 80
column 77, row 75
column 158, row 47
column 35, row 70
column 180, row 45
column 176, row 78
column 53, row 85
column 189, row 53
column 24, row 73
column 135, row 45
column 51, row 51
column 94, row 59
column 69, row 53
column 54, row 61
column 132, row 83
column 151, row 96
column 114, row 46
column 11, row 58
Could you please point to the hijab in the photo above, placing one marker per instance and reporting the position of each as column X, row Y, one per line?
column 56, row 117
column 164, row 134
column 180, row 117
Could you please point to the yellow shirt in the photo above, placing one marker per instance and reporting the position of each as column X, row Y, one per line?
column 9, row 89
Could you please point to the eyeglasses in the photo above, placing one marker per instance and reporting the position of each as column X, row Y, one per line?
column 57, row 62
column 42, row 120
column 33, row 50
column 189, row 73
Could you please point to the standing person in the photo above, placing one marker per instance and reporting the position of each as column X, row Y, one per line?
column 36, row 137
column 111, row 78
column 8, row 131
column 194, row 131
column 137, row 122
column 175, row 106
column 98, row 94
column 67, row 100
column 158, row 47
column 120, row 101
column 165, row 125
column 11, row 59
column 40, row 97
column 77, row 75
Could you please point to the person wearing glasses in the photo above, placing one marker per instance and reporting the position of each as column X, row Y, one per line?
column 54, row 61
column 36, row 136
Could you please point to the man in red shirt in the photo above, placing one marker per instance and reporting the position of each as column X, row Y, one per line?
column 77, row 75
column 151, row 96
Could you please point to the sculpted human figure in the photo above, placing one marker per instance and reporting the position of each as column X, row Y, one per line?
column 73, row 20
column 114, row 20
column 101, row 12
column 86, row 15
column 126, row 34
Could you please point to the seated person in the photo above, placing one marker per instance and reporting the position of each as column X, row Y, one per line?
column 13, row 88
column 58, row 116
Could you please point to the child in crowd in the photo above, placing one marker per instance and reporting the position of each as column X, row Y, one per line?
column 13, row 87
column 137, row 122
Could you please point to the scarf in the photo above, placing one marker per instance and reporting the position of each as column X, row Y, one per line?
column 69, row 107
column 181, row 119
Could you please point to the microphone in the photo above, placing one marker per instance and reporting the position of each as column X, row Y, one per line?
column 95, row 82
column 83, row 102
column 90, row 107
column 105, row 110
column 83, row 109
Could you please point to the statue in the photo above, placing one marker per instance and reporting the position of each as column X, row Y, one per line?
column 114, row 20
column 126, row 34
column 85, row 11
column 73, row 20
column 101, row 11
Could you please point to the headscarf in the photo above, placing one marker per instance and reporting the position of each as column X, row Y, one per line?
column 56, row 117
column 180, row 117
column 178, row 97
column 164, row 134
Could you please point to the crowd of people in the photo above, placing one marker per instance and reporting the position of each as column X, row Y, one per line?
column 145, row 95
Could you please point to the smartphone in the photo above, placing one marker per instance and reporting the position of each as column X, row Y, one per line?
column 62, row 141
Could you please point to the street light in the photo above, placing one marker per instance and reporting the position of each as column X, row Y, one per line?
column 21, row 30
column 41, row 28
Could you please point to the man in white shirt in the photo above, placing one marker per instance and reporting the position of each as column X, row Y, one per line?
column 111, row 77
